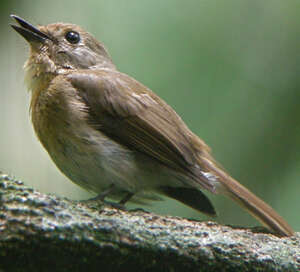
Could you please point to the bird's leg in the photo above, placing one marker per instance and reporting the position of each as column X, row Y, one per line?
column 103, row 194
column 126, row 198
column 101, row 198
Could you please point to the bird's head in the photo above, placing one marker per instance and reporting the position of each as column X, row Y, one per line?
column 61, row 46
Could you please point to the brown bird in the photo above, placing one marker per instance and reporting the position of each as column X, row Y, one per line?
column 112, row 135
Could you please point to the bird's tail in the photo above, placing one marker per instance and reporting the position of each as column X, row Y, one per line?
column 254, row 205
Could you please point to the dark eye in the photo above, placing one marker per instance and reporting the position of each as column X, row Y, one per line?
column 72, row 37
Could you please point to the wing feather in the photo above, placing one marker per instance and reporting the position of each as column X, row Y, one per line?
column 132, row 115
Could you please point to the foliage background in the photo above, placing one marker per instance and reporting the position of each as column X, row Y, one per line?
column 229, row 68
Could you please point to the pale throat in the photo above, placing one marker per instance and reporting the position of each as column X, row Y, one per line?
column 39, row 71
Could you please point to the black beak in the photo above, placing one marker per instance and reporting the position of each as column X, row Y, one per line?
column 28, row 31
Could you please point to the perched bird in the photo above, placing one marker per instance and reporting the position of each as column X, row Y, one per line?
column 112, row 135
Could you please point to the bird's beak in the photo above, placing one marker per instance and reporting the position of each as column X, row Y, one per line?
column 28, row 31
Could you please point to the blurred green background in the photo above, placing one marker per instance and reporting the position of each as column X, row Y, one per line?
column 231, row 69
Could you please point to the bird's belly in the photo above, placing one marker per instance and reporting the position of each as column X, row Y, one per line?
column 94, row 162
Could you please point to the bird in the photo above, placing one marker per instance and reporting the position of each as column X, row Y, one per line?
column 113, row 136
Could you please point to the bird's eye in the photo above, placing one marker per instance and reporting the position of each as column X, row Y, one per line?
column 72, row 37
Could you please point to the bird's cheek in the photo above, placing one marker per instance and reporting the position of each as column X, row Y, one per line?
column 83, row 58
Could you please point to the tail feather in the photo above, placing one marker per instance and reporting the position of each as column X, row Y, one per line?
column 254, row 205
column 191, row 197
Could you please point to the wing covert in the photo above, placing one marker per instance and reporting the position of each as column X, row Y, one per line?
column 132, row 115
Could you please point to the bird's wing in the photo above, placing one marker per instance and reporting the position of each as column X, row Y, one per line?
column 132, row 115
